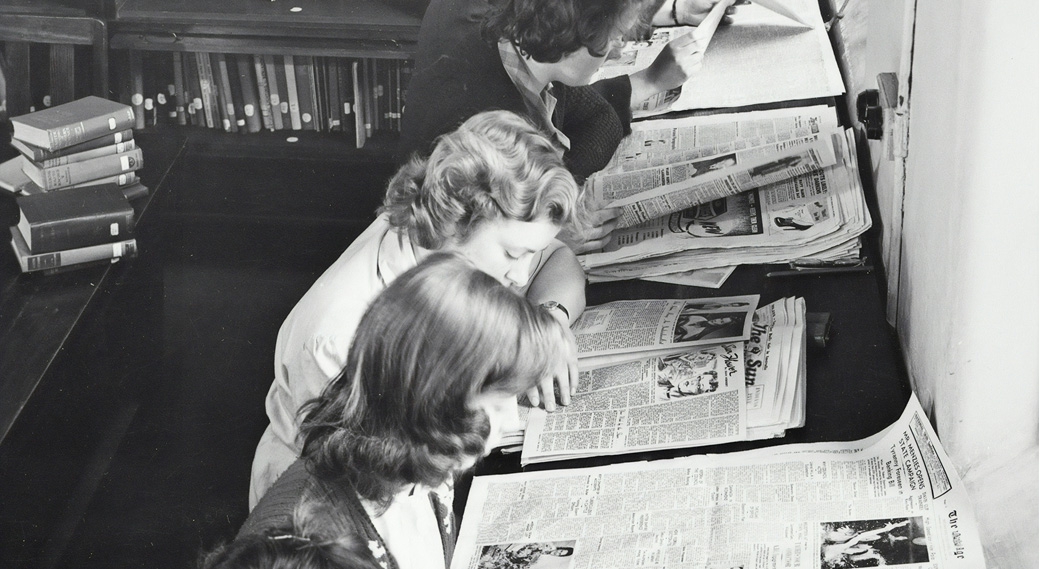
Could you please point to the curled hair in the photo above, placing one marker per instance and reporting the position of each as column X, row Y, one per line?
column 311, row 541
column 547, row 30
column 496, row 164
column 405, row 408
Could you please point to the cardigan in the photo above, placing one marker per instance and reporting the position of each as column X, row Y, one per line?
column 347, row 515
column 471, row 79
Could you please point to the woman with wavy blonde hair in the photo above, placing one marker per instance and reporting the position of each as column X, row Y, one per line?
column 437, row 358
column 494, row 190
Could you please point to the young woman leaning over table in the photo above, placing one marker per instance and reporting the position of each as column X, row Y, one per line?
column 437, row 357
column 494, row 190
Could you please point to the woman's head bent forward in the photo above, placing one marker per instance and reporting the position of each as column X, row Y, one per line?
column 495, row 189
column 434, row 352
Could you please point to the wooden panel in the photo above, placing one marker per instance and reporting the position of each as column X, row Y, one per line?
column 259, row 45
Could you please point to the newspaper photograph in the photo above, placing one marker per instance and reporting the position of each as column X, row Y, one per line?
column 891, row 499
column 612, row 332
column 653, row 192
column 740, row 65
column 661, row 142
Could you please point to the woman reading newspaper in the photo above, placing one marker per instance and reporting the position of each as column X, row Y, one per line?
column 437, row 357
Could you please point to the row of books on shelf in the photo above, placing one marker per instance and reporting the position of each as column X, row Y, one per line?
column 74, row 178
column 248, row 93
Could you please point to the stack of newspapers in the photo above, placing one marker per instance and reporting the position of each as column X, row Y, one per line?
column 665, row 374
column 703, row 194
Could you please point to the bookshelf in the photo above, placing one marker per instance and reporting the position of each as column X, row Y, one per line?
column 325, row 32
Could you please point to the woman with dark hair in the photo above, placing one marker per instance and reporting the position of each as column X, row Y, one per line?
column 536, row 58
column 436, row 358
column 494, row 190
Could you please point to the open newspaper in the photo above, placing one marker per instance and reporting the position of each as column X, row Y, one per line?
column 890, row 499
column 655, row 191
column 627, row 330
column 709, row 395
column 814, row 216
column 761, row 57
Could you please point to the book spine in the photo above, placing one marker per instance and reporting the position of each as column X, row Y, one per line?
column 335, row 100
column 81, row 131
column 180, row 112
column 292, row 93
column 264, row 92
column 346, row 93
column 79, row 172
column 223, row 82
column 69, row 257
column 121, row 180
column 359, row 105
column 276, row 85
column 118, row 148
column 206, row 89
column 136, row 90
column 76, row 232
column 250, row 95
column 37, row 154
column 305, row 90
column 192, row 93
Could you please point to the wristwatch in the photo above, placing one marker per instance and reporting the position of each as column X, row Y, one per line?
column 551, row 305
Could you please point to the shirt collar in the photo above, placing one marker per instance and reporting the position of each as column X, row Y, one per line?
column 539, row 101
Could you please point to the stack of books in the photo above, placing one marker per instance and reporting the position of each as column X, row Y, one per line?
column 74, row 177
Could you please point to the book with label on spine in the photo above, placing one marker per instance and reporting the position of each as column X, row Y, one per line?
column 247, row 81
column 276, row 84
column 263, row 89
column 206, row 88
column 346, row 91
column 137, row 89
column 118, row 148
column 30, row 262
column 334, row 120
column 229, row 108
column 292, row 92
column 66, row 175
column 193, row 95
column 75, row 218
column 37, row 154
column 72, row 123
column 180, row 109
column 304, row 67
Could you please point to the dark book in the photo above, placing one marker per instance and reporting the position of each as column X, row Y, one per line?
column 276, row 83
column 304, row 67
column 346, row 93
column 72, row 123
column 292, row 92
column 180, row 95
column 75, row 218
column 137, row 88
column 263, row 90
column 246, row 77
column 194, row 92
column 332, row 85
column 320, row 96
column 66, row 175
column 222, row 80
column 83, row 256
column 37, row 154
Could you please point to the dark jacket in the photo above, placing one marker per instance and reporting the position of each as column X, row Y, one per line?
column 471, row 80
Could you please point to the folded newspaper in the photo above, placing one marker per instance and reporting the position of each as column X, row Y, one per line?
column 733, row 391
column 815, row 217
column 890, row 499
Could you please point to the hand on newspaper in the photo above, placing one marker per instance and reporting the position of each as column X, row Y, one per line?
column 564, row 379
column 600, row 231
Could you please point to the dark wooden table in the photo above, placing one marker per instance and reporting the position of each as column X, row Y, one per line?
column 38, row 312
